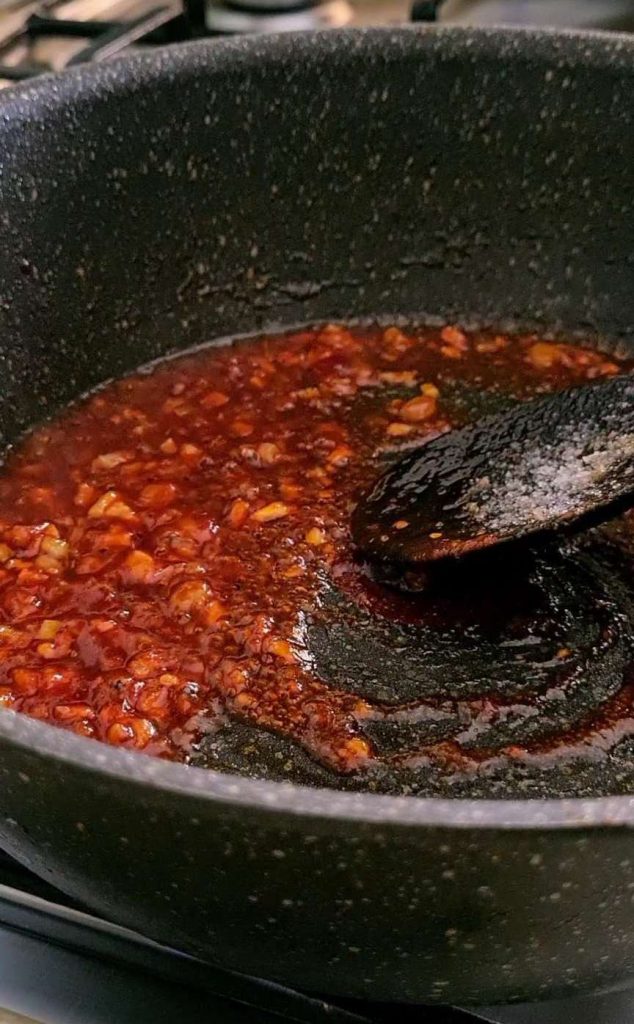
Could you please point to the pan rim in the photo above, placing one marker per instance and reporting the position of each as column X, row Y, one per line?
column 291, row 800
column 551, row 45
column 50, row 94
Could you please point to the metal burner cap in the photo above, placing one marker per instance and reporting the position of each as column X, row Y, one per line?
column 265, row 16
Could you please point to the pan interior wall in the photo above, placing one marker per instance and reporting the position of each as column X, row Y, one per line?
column 151, row 206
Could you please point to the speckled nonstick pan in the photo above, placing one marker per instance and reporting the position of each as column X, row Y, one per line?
column 156, row 202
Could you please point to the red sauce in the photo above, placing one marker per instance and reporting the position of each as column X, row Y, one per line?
column 161, row 540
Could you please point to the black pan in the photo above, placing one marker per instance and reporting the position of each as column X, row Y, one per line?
column 156, row 202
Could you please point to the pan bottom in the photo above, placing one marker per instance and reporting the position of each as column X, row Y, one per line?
column 525, row 690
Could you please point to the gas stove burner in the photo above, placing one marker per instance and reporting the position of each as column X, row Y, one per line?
column 230, row 17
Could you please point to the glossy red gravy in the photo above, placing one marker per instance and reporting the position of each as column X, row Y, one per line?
column 161, row 540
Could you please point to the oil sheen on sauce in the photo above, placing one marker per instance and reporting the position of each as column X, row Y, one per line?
column 177, row 576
